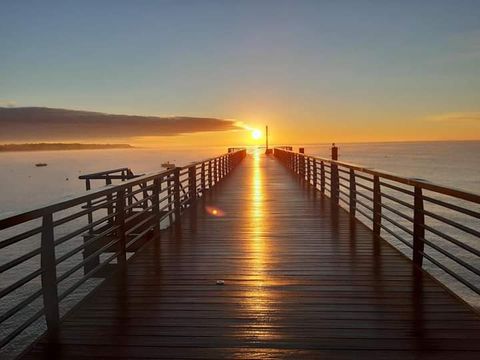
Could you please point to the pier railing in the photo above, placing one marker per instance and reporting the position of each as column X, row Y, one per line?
column 51, row 257
column 122, row 174
column 428, row 222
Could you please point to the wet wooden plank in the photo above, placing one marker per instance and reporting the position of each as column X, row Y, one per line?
column 302, row 280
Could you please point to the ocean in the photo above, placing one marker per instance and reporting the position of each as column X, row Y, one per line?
column 25, row 186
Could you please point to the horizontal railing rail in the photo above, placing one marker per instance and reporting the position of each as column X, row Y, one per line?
column 427, row 222
column 52, row 256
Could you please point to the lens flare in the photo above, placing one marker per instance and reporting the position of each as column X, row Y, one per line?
column 214, row 211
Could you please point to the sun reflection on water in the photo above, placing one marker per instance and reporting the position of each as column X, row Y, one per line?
column 258, row 297
column 257, row 219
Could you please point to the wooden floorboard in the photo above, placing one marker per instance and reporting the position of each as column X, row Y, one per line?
column 302, row 280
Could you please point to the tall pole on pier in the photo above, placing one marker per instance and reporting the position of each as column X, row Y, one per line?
column 266, row 138
column 267, row 150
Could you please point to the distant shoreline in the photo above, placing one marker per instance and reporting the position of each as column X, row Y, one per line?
column 60, row 146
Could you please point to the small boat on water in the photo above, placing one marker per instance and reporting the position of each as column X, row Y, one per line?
column 41, row 164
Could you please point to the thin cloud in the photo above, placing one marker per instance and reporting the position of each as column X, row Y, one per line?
column 456, row 117
column 7, row 103
column 47, row 124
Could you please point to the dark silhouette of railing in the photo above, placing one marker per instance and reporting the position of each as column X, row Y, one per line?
column 119, row 219
column 437, row 223
column 108, row 176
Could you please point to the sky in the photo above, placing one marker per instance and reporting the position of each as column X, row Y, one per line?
column 314, row 71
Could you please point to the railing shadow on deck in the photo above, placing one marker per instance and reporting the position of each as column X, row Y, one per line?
column 51, row 256
column 433, row 225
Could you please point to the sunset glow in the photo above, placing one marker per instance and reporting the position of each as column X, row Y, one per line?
column 328, row 74
column 256, row 134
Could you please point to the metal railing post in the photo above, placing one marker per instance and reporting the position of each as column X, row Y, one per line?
column 418, row 227
column 157, row 188
column 192, row 183
column 120, row 223
column 209, row 174
column 176, row 194
column 322, row 177
column 308, row 169
column 302, row 167
column 215, row 172
column 377, row 206
column 169, row 199
column 202, row 178
column 353, row 193
column 49, row 277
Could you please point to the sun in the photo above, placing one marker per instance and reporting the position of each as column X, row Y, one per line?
column 256, row 134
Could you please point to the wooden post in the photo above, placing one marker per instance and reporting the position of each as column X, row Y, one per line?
column 334, row 152
column 315, row 175
column 377, row 206
column 120, row 222
column 353, row 193
column 49, row 277
column 176, row 193
column 192, row 183
column 418, row 227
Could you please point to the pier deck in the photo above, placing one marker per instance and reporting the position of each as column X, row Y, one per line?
column 302, row 280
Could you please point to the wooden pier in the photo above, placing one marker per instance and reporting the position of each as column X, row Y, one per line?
column 263, row 263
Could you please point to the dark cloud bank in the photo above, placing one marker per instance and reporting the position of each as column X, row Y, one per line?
column 47, row 124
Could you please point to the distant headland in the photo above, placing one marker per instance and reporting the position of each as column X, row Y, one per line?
column 61, row 146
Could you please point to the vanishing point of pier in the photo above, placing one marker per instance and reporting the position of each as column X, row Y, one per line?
column 252, row 256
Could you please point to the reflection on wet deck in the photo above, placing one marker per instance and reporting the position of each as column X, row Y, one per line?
column 302, row 280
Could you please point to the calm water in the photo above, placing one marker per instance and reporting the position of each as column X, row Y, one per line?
column 24, row 186
column 454, row 164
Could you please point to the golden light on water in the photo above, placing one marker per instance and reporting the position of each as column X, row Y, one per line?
column 258, row 297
